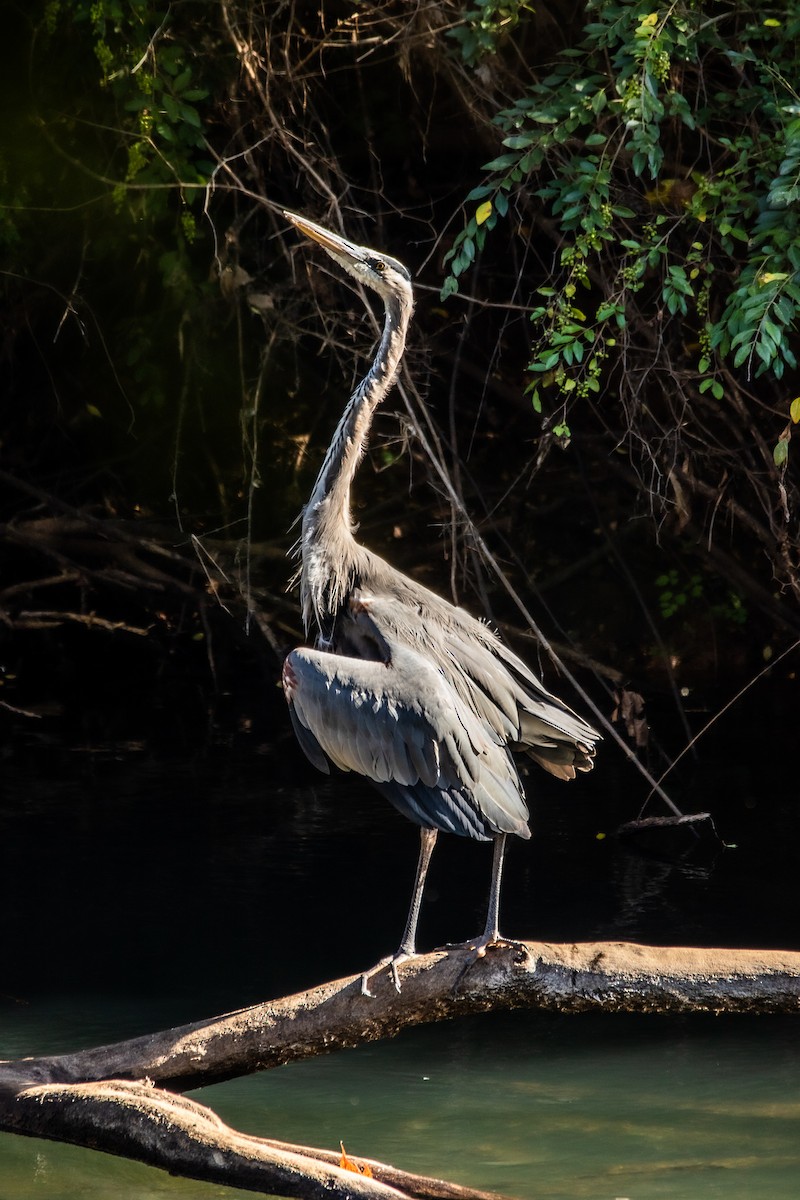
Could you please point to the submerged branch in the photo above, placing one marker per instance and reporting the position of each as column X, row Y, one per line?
column 156, row 1127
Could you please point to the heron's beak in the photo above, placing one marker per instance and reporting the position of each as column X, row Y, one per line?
column 334, row 244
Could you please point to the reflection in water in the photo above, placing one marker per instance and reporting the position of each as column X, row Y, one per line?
column 137, row 894
column 642, row 885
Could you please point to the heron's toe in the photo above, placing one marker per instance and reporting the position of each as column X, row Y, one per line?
column 392, row 962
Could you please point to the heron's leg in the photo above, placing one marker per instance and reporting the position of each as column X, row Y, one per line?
column 492, row 931
column 427, row 840
column 407, row 948
column 491, row 935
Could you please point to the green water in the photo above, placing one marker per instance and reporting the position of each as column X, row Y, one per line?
column 166, row 893
column 542, row 1109
column 532, row 1107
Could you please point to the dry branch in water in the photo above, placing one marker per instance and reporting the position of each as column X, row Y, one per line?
column 116, row 1098
column 137, row 1120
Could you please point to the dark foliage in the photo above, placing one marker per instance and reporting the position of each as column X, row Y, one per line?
column 606, row 374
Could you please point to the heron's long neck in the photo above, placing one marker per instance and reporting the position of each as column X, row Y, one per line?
column 328, row 547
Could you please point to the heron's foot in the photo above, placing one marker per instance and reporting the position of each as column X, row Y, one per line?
column 489, row 940
column 393, row 962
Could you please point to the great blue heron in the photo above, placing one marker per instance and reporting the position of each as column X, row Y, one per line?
column 402, row 686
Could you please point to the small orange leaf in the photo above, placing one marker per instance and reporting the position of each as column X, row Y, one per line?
column 349, row 1164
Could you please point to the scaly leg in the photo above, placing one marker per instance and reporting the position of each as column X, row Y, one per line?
column 407, row 948
column 491, row 935
column 491, row 932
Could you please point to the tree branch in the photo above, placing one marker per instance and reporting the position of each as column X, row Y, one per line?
column 156, row 1127
column 612, row 976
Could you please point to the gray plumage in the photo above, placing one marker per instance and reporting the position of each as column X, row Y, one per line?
column 403, row 687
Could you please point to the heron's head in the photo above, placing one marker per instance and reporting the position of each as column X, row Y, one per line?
column 384, row 274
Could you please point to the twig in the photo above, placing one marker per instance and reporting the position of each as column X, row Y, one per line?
column 20, row 712
column 44, row 618
column 733, row 700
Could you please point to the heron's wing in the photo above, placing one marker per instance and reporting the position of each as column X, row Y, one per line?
column 560, row 740
column 505, row 696
column 308, row 743
column 401, row 725
column 519, row 709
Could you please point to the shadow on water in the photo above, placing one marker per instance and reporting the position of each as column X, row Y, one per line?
column 139, row 893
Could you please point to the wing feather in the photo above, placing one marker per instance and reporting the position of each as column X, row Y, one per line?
column 308, row 743
column 400, row 725
column 500, row 690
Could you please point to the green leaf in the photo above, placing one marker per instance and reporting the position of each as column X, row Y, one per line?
column 781, row 452
column 501, row 163
column 191, row 116
column 170, row 107
column 765, row 352
column 449, row 288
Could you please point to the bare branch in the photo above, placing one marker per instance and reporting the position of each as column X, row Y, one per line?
column 613, row 976
column 139, row 1121
column 47, row 618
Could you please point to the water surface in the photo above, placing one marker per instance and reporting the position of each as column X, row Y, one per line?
column 137, row 894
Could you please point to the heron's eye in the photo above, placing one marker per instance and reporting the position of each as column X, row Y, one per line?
column 378, row 265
